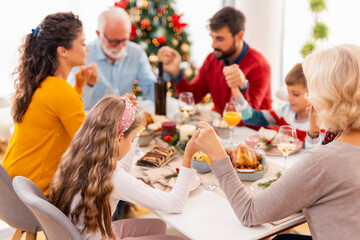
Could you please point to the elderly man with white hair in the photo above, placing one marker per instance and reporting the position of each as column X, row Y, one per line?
column 119, row 61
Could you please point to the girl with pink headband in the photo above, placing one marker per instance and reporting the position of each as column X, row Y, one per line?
column 94, row 174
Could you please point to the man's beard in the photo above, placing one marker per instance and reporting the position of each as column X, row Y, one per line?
column 112, row 52
column 220, row 54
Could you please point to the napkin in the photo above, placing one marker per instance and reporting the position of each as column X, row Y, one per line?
column 268, row 134
column 156, row 178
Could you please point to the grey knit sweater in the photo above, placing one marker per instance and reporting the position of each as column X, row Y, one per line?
column 324, row 183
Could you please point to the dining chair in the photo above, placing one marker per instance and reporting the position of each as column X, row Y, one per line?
column 55, row 224
column 14, row 212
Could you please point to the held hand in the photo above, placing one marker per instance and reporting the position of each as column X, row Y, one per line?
column 209, row 143
column 86, row 74
column 313, row 127
column 132, row 98
column 93, row 76
column 171, row 60
column 190, row 150
column 234, row 77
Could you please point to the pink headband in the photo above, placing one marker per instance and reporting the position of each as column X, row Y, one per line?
column 128, row 115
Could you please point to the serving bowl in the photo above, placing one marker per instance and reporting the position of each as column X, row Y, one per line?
column 145, row 137
column 251, row 174
column 201, row 166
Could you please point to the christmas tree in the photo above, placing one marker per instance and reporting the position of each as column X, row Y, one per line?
column 155, row 23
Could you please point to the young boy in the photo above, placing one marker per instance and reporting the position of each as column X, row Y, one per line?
column 293, row 113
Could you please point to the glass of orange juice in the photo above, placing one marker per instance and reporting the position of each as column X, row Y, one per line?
column 232, row 116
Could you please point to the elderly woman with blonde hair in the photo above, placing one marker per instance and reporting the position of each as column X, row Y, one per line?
column 325, row 182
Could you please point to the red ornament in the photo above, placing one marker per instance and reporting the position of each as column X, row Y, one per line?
column 121, row 4
column 167, row 138
column 268, row 142
column 145, row 22
column 133, row 32
column 177, row 170
column 176, row 21
column 161, row 39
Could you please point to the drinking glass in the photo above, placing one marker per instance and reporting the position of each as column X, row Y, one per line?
column 210, row 186
column 232, row 116
column 286, row 141
column 186, row 104
column 142, row 127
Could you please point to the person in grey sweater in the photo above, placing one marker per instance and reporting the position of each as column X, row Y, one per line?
column 325, row 182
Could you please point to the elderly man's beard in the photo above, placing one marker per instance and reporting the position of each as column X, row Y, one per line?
column 220, row 54
column 112, row 52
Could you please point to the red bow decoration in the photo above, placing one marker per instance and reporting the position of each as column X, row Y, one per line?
column 176, row 21
column 121, row 4
column 133, row 32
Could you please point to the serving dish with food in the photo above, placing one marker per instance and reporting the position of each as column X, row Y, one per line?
column 156, row 157
column 250, row 165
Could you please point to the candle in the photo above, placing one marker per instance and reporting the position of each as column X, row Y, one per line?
column 186, row 130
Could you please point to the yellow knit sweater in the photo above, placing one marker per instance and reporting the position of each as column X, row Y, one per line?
column 54, row 115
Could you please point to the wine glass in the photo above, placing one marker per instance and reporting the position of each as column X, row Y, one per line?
column 210, row 186
column 286, row 141
column 142, row 127
column 186, row 104
column 232, row 116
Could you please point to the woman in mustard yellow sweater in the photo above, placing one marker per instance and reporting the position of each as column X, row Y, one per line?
column 47, row 110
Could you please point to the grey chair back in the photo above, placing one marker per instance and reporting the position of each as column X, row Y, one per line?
column 55, row 224
column 12, row 209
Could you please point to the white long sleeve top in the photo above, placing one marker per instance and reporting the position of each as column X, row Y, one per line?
column 128, row 188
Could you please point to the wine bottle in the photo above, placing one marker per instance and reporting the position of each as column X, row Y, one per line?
column 160, row 92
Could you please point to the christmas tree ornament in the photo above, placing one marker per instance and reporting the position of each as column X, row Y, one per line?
column 145, row 22
column 144, row 4
column 174, row 42
column 153, row 58
column 161, row 39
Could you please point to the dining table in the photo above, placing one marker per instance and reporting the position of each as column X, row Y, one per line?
column 208, row 214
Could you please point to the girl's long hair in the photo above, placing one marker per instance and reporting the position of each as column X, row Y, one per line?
column 38, row 57
column 88, row 165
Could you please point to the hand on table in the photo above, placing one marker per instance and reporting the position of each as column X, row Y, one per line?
column 171, row 60
column 209, row 142
column 87, row 75
column 234, row 77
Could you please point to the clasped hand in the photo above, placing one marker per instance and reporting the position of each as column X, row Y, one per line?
column 87, row 75
column 234, row 77
column 206, row 140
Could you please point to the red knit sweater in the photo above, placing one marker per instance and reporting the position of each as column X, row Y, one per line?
column 211, row 79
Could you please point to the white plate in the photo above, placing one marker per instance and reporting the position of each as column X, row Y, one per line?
column 255, row 189
column 196, row 183
column 253, row 140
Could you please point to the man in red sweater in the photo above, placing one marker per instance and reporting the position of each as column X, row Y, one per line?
column 233, row 64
